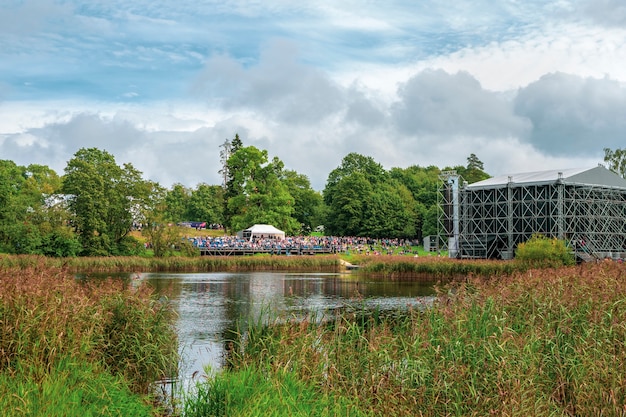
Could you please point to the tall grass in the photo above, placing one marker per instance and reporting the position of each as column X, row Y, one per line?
column 69, row 389
column 174, row 264
column 542, row 342
column 53, row 327
column 400, row 267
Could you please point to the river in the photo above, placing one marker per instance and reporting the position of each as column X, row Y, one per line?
column 209, row 306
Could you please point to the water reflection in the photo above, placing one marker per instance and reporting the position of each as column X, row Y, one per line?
column 211, row 305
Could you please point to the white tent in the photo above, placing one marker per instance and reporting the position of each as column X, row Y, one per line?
column 261, row 231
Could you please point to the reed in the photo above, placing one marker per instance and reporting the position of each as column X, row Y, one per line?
column 53, row 326
column 539, row 342
column 111, row 264
column 402, row 267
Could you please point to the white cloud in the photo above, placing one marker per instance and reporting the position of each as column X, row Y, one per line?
column 572, row 115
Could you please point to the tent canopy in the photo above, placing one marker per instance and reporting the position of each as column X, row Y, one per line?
column 261, row 231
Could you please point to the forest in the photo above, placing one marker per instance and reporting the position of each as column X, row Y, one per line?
column 92, row 207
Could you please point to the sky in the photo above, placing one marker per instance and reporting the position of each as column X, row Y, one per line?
column 525, row 85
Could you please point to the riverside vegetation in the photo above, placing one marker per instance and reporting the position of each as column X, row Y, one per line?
column 540, row 342
column 70, row 348
column 502, row 338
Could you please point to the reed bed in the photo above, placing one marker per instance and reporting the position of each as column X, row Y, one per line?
column 549, row 342
column 56, row 331
column 326, row 263
column 403, row 267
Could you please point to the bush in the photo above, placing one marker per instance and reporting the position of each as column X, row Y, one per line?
column 540, row 251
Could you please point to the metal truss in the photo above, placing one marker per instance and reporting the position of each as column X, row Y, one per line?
column 492, row 222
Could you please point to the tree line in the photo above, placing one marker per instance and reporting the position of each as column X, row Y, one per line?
column 91, row 209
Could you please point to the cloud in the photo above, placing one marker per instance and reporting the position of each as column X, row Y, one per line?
column 572, row 115
column 605, row 12
column 364, row 110
column 435, row 102
column 278, row 86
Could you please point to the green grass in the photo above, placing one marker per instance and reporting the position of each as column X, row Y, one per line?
column 65, row 344
column 68, row 389
column 248, row 392
column 543, row 342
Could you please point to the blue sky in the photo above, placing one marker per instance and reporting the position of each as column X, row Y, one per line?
column 524, row 85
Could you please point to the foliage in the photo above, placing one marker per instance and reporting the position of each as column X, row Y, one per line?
column 77, row 345
column 248, row 392
column 543, row 342
column 542, row 251
column 60, row 243
column 364, row 200
column 102, row 198
column 176, row 205
column 30, row 220
column 262, row 197
column 308, row 207
column 473, row 172
column 206, row 204
column 232, row 187
column 616, row 160
column 69, row 389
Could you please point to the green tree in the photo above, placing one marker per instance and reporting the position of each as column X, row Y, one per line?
column 49, row 214
column 18, row 203
column 352, row 163
column 616, row 159
column 422, row 182
column 206, row 204
column 232, row 187
column 262, row 197
column 365, row 200
column 308, row 203
column 390, row 212
column 348, row 206
column 474, row 163
column 473, row 172
column 103, row 199
column 177, row 203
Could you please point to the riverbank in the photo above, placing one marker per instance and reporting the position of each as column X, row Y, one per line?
column 71, row 349
column 540, row 342
column 386, row 266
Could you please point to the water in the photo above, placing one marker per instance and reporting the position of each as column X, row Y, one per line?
column 210, row 305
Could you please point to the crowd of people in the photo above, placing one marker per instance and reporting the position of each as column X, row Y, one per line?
column 300, row 244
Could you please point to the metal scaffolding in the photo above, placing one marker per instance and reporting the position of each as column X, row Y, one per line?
column 492, row 221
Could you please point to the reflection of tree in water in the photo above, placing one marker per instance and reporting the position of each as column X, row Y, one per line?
column 236, row 291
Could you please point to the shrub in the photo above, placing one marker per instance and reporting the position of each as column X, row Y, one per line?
column 541, row 251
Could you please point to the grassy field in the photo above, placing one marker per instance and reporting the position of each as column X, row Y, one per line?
column 548, row 342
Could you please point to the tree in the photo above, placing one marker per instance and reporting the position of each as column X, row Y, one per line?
column 177, row 203
column 102, row 199
column 308, row 210
column 473, row 172
column 474, row 163
column 422, row 182
column 229, row 170
column 348, row 207
column 352, row 163
column 206, row 204
column 390, row 212
column 616, row 159
column 262, row 197
column 17, row 203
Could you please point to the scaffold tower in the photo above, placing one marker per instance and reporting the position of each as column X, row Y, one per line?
column 586, row 208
